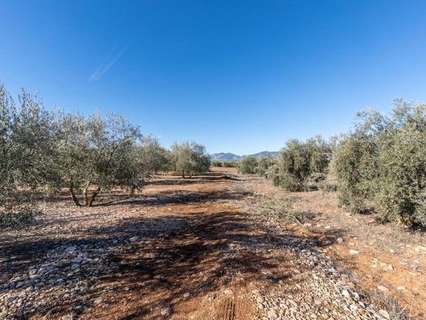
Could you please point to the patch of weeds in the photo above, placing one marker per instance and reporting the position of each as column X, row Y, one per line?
column 280, row 208
column 389, row 304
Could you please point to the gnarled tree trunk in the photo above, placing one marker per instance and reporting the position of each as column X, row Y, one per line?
column 93, row 196
column 74, row 197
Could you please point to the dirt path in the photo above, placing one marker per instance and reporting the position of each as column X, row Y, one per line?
column 186, row 249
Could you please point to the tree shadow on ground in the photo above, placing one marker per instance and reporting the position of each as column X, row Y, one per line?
column 143, row 267
column 193, row 180
column 120, row 195
column 172, row 260
column 179, row 197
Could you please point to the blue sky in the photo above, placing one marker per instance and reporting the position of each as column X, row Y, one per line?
column 238, row 76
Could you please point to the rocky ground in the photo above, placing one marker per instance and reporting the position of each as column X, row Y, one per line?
column 386, row 260
column 184, row 249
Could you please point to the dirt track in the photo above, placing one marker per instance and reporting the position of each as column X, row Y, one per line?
column 185, row 249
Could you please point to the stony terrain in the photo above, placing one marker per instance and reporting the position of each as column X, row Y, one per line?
column 184, row 249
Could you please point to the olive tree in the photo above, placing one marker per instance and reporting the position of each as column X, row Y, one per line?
column 248, row 165
column 27, row 136
column 190, row 158
column 381, row 165
column 263, row 165
column 97, row 153
column 155, row 157
column 401, row 185
column 302, row 164
column 140, row 162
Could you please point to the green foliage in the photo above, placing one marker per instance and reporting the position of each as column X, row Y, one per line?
column 263, row 165
column 356, row 168
column 382, row 165
column 248, row 165
column 96, row 154
column 154, row 157
column 217, row 163
column 401, row 191
column 230, row 164
column 27, row 139
column 47, row 151
column 302, row 163
column 190, row 158
column 225, row 164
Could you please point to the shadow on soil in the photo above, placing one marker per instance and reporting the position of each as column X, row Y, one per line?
column 179, row 197
column 150, row 265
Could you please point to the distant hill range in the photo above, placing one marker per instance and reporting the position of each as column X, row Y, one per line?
column 227, row 156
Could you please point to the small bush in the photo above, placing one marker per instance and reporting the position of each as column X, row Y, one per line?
column 217, row 163
column 314, row 181
column 230, row 164
column 263, row 165
column 300, row 164
column 248, row 165
column 329, row 184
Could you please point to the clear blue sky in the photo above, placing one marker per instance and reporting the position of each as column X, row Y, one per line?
column 238, row 76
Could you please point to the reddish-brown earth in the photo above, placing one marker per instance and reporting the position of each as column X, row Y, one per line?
column 192, row 249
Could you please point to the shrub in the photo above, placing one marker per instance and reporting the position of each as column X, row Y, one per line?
column 357, row 168
column 263, row 166
column 401, row 192
column 382, row 165
column 190, row 158
column 248, row 165
column 230, row 164
column 299, row 162
column 217, row 163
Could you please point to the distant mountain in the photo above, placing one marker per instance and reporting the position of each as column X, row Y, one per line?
column 225, row 156
column 265, row 154
column 228, row 156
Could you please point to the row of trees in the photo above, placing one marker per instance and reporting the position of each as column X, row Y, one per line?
column 379, row 166
column 225, row 163
column 44, row 151
column 300, row 165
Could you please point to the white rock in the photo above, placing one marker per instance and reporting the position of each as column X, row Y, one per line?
column 165, row 311
column 420, row 249
column 384, row 313
column 353, row 252
column 382, row 288
column 388, row 267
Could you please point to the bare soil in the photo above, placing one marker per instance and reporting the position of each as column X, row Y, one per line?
column 193, row 249
column 388, row 260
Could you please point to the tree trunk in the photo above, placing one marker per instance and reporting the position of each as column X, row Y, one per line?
column 183, row 174
column 74, row 197
column 86, row 194
column 132, row 190
column 93, row 196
